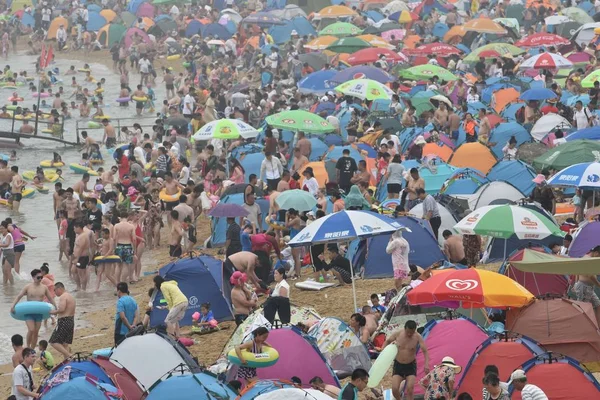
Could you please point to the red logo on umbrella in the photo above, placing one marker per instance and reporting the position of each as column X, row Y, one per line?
column 359, row 75
column 288, row 121
column 529, row 223
column 461, row 285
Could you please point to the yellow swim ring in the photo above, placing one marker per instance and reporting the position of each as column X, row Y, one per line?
column 169, row 198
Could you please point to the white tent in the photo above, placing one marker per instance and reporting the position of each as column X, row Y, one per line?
column 448, row 220
column 492, row 192
column 547, row 123
column 395, row 6
column 585, row 33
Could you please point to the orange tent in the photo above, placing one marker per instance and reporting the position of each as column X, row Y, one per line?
column 55, row 24
column 473, row 155
column 442, row 151
column 108, row 15
column 503, row 97
column 455, row 31
column 319, row 170
column 147, row 23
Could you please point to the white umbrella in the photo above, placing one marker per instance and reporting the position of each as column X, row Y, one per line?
column 557, row 19
column 546, row 61
column 294, row 394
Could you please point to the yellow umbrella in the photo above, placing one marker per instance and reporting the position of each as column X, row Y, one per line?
column 456, row 31
column 485, row 25
column 108, row 15
column 320, row 43
column 376, row 41
column 336, row 12
column 405, row 17
column 147, row 23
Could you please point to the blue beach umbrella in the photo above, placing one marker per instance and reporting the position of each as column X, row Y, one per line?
column 584, row 175
column 319, row 82
column 538, row 94
column 362, row 72
column 592, row 133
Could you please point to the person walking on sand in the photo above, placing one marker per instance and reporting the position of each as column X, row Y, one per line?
column 124, row 238
column 62, row 337
column 405, row 365
column 399, row 248
column 127, row 313
column 23, row 387
column 34, row 291
column 176, row 303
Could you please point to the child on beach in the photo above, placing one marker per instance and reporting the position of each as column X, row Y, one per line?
column 259, row 339
column 46, row 358
column 206, row 320
column 84, row 162
column 13, row 155
column 106, row 269
column 95, row 155
column 62, row 234
column 37, row 183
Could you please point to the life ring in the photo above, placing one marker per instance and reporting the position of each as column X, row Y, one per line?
column 50, row 176
column 84, row 70
column 149, row 167
column 27, row 193
column 43, row 189
column 51, row 164
column 186, row 64
column 174, row 57
column 123, row 99
column 274, row 224
column 15, row 99
column 169, row 198
column 80, row 169
column 46, row 130
column 96, row 161
column 12, row 87
column 99, row 90
column 101, row 117
column 43, row 95
column 11, row 107
column 93, row 125
column 267, row 358
column 107, row 259
column 32, row 309
column 142, row 99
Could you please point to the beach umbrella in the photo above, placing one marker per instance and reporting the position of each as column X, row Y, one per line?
column 225, row 129
column 457, row 31
column 348, row 45
column 375, row 41
column 397, row 34
column 538, row 94
column 362, row 72
column 471, row 288
column 403, row 17
column 294, row 394
column 546, row 61
column 567, row 154
column 299, row 120
column 578, row 15
column 439, row 49
column 542, row 39
column 508, row 22
column 557, row 19
column 588, row 81
column 502, row 48
column 262, row 19
column 289, row 12
column 299, row 200
column 340, row 29
column 373, row 54
column 388, row 26
column 229, row 210
column 427, row 71
column 583, row 175
column 345, row 226
column 395, row 6
column 484, row 25
column 578, row 58
column 318, row 82
column 315, row 60
column 365, row 89
column 320, row 43
column 336, row 12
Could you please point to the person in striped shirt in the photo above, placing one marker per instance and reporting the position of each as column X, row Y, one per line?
column 528, row 391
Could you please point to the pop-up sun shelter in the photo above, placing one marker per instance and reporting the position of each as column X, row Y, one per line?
column 585, row 238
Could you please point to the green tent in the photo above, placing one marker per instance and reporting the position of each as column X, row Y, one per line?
column 110, row 34
column 543, row 263
column 567, row 154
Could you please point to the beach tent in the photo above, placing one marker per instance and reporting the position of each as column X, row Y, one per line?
column 537, row 283
column 150, row 356
column 560, row 377
column 27, row 20
column 242, row 332
column 321, row 174
column 146, row 10
column 298, row 356
column 342, row 349
column 283, row 33
column 79, row 366
column 135, row 32
column 448, row 219
column 258, row 387
column 493, row 192
column 110, row 34
column 109, row 15
column 55, row 24
column 585, row 33
column 121, row 378
column 82, row 388
column 95, row 21
column 201, row 281
column 464, row 181
column 560, row 325
column 310, row 6
column 215, row 30
column 133, row 5
column 466, row 337
column 251, row 163
column 495, row 250
column 370, row 255
column 219, row 225
column 586, row 237
column 201, row 386
column 318, row 149
column 503, row 132
column 193, row 27
column 435, row 172
column 516, row 172
column 547, row 123
column 473, row 155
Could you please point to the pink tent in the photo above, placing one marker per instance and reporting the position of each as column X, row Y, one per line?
column 457, row 338
column 298, row 356
column 132, row 33
column 145, row 10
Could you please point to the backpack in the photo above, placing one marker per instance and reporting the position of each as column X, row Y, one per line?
column 520, row 115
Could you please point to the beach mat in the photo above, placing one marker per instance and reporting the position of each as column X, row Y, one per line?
column 313, row 285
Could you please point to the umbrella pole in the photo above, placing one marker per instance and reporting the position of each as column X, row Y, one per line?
column 353, row 287
column 504, row 258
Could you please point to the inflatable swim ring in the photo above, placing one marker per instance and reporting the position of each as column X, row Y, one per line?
column 101, row 117
column 3, row 202
column 96, row 161
column 267, row 358
column 169, row 198
column 123, row 99
column 28, row 309
column 106, row 352
column 50, row 164
column 11, row 107
column 29, row 78
column 99, row 90
column 50, row 175
column 186, row 64
column 84, row 70
column 174, row 57
column 107, row 259
column 80, row 169
column 274, row 224
column 46, row 130
column 93, row 125
column 42, row 95
column 140, row 99
column 149, row 167
column 15, row 99
column 43, row 189
column 10, row 87
column 27, row 193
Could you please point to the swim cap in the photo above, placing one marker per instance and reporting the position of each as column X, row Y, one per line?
column 98, row 187
column 238, row 277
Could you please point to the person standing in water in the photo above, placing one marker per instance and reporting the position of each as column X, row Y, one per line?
column 62, row 337
column 34, row 291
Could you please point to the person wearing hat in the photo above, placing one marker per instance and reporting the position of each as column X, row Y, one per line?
column 439, row 383
column 416, row 151
column 528, row 391
column 543, row 194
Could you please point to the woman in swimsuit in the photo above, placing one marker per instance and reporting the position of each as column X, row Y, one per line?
column 138, row 220
column 260, row 336
column 295, row 224
column 18, row 234
column 153, row 220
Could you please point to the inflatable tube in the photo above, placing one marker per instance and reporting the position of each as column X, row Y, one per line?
column 42, row 95
column 11, row 107
column 101, row 117
column 186, row 64
column 99, row 90
column 10, row 87
column 149, row 167
column 93, row 125
column 15, row 99
column 80, row 169
column 106, row 352
column 174, row 57
column 37, row 310
column 50, row 164
column 29, row 78
column 84, row 70
column 187, row 342
column 28, row 193
column 140, row 99
column 107, row 259
column 267, row 358
column 3, row 202
column 46, row 130
column 275, row 224
column 123, row 99
column 50, row 176
column 564, row 208
column 43, row 189
column 382, row 364
column 169, row 198
column 96, row 161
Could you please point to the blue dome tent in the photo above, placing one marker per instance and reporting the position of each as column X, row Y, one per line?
column 515, row 172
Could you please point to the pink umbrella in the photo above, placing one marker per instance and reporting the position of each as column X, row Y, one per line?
column 542, row 39
column 579, row 57
column 145, row 10
column 396, row 33
column 372, row 54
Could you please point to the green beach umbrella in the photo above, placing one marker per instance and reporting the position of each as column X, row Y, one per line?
column 567, row 154
column 297, row 199
column 341, row 29
column 588, row 81
column 504, row 221
column 348, row 45
column 578, row 15
column 226, row 129
column 427, row 71
column 365, row 89
column 502, row 48
column 299, row 120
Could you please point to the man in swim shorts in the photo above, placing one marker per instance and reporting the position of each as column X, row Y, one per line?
column 34, row 291
column 177, row 303
column 124, row 233
column 62, row 336
column 82, row 254
column 405, row 364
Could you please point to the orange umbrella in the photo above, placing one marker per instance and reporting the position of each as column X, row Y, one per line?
column 320, row 43
column 455, row 31
column 376, row 41
column 253, row 41
column 336, row 12
column 108, row 15
column 503, row 97
column 485, row 25
column 440, row 150
column 411, row 41
column 147, row 23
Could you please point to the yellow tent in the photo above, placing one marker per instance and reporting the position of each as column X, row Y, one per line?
column 19, row 5
column 108, row 15
column 55, row 24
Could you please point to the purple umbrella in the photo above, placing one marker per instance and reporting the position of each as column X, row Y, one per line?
column 362, row 72
column 228, row 210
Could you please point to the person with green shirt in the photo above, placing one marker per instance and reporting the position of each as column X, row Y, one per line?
column 46, row 358
column 358, row 383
